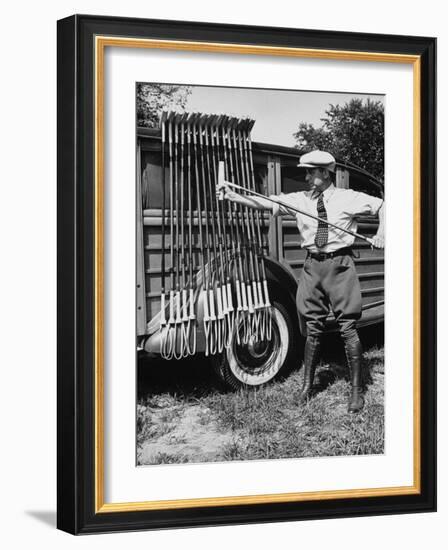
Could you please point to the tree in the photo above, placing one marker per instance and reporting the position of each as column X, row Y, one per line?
column 353, row 132
column 152, row 99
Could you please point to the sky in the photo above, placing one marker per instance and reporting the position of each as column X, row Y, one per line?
column 277, row 112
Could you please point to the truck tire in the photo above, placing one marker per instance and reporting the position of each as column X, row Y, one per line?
column 254, row 365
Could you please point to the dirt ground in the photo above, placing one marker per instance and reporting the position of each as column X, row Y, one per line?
column 173, row 423
column 185, row 415
column 189, row 437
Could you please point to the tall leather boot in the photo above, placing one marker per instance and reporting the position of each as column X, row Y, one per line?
column 310, row 359
column 353, row 350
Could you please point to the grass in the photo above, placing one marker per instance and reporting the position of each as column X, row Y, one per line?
column 196, row 421
column 271, row 423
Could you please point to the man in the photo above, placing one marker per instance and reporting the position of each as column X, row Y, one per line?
column 329, row 278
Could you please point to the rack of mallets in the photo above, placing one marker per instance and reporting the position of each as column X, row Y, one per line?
column 228, row 275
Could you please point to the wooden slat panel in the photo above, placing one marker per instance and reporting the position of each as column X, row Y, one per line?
column 272, row 234
column 279, row 221
column 140, row 290
column 371, row 298
column 153, row 306
column 371, row 275
column 295, row 255
column 371, row 267
column 374, row 283
column 371, row 305
column 153, row 282
column 342, row 178
column 376, row 291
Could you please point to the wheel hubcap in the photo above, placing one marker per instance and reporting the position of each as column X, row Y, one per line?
column 257, row 349
column 255, row 363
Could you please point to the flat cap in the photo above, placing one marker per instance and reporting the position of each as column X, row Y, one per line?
column 318, row 159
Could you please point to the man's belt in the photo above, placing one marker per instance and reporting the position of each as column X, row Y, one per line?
column 326, row 255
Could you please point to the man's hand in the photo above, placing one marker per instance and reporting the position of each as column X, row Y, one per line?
column 378, row 240
column 223, row 191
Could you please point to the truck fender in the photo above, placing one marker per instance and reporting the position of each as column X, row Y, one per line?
column 279, row 278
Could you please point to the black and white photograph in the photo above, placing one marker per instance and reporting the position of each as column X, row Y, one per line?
column 260, row 233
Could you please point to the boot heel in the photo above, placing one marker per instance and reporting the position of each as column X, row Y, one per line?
column 353, row 350
column 356, row 400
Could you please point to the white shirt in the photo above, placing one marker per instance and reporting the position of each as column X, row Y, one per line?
column 342, row 206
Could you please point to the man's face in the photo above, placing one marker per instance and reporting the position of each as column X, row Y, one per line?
column 316, row 177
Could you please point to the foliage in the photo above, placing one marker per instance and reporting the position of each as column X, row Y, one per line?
column 152, row 99
column 353, row 132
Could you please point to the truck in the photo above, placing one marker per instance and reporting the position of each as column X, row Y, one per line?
column 250, row 363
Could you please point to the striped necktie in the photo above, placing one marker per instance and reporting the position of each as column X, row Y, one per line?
column 321, row 238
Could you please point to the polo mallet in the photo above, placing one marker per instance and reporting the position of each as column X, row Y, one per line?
column 227, row 167
column 241, row 136
column 192, row 329
column 167, row 341
column 210, row 327
column 204, row 244
column 293, row 208
column 177, row 348
column 251, row 326
column 263, row 288
column 186, row 321
column 217, row 241
column 246, row 312
column 241, row 317
column 226, row 293
column 163, row 321
column 262, row 312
